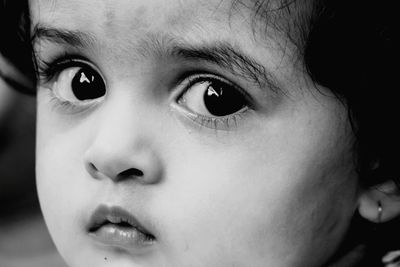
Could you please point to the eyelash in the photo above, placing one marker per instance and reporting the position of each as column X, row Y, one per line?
column 227, row 123
column 224, row 123
column 47, row 71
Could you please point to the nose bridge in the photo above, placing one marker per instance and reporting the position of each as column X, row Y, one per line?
column 121, row 123
column 122, row 141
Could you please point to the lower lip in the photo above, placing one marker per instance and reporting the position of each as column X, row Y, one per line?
column 128, row 238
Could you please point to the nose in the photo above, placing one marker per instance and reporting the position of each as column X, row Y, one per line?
column 122, row 146
column 104, row 162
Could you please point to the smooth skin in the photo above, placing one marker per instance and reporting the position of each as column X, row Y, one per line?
column 272, row 186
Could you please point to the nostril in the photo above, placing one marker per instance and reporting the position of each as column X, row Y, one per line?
column 93, row 171
column 91, row 166
column 131, row 172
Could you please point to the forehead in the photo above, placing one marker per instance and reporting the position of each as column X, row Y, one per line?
column 133, row 27
column 110, row 17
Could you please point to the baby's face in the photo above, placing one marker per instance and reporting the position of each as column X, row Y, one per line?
column 172, row 134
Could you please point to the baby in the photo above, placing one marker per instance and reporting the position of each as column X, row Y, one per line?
column 204, row 133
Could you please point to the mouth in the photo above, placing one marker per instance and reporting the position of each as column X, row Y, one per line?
column 115, row 227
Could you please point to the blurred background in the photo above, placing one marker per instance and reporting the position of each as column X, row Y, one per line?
column 24, row 240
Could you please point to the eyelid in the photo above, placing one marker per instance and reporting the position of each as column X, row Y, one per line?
column 194, row 78
column 219, row 123
column 48, row 70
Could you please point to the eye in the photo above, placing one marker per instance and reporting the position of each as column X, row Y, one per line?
column 78, row 85
column 210, row 96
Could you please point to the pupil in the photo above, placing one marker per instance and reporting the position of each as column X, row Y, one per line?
column 87, row 84
column 221, row 100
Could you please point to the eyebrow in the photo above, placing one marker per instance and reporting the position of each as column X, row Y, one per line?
column 226, row 56
column 63, row 37
column 222, row 54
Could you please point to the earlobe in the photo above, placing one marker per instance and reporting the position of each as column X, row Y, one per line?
column 380, row 203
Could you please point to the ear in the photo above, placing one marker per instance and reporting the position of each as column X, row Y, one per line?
column 380, row 203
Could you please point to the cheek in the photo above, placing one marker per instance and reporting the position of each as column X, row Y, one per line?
column 61, row 188
column 254, row 203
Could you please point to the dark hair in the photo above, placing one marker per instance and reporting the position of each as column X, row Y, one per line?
column 351, row 50
column 15, row 45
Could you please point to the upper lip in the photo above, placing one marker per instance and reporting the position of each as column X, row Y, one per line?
column 114, row 215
